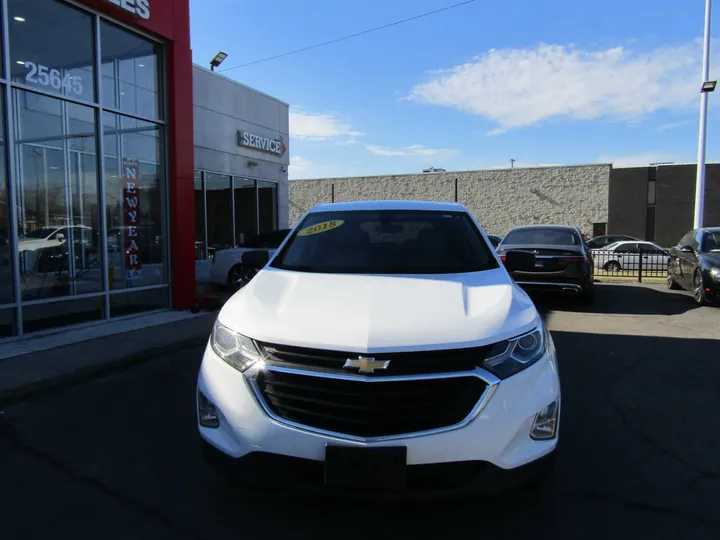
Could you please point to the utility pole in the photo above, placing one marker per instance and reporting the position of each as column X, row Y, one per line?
column 700, row 181
column 512, row 163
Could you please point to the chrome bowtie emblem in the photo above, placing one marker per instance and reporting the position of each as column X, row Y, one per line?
column 365, row 364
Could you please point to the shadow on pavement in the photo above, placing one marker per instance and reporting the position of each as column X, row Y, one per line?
column 611, row 298
column 637, row 459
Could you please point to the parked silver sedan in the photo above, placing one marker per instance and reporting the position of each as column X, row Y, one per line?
column 626, row 256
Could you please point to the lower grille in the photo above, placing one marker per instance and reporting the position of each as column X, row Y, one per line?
column 370, row 409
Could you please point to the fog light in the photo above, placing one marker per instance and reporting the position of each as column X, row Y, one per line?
column 207, row 412
column 545, row 425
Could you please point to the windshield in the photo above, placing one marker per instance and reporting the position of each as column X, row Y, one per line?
column 386, row 242
column 543, row 236
column 711, row 243
column 43, row 232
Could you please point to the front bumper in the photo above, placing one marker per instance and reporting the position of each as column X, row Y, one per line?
column 497, row 438
column 458, row 478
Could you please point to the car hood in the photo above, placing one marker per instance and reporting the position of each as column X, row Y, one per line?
column 712, row 258
column 367, row 314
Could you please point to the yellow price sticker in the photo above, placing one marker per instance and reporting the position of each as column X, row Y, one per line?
column 321, row 227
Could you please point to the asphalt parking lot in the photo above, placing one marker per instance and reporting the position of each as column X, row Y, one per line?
column 117, row 457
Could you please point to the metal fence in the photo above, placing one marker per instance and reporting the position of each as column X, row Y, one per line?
column 636, row 264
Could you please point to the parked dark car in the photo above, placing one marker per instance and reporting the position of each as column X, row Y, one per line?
column 695, row 265
column 600, row 242
column 563, row 263
column 494, row 240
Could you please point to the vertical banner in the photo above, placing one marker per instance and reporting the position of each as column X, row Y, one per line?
column 131, row 207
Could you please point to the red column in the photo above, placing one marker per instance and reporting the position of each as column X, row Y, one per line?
column 181, row 162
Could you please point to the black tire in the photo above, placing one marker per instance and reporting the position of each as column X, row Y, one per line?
column 236, row 278
column 612, row 266
column 672, row 284
column 699, row 289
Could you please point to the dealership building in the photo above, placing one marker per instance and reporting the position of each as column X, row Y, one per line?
column 123, row 166
column 654, row 203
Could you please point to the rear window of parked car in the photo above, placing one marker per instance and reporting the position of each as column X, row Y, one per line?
column 543, row 236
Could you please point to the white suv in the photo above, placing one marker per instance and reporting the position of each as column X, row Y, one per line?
column 383, row 347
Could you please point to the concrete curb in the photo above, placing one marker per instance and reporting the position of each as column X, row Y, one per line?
column 89, row 373
column 93, row 359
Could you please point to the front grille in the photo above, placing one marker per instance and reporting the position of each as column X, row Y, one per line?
column 404, row 363
column 370, row 409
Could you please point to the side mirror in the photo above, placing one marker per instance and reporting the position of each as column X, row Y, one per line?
column 516, row 260
column 60, row 237
column 687, row 249
column 255, row 259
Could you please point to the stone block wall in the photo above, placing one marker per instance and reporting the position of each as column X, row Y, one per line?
column 499, row 199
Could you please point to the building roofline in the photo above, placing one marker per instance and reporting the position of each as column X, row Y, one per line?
column 215, row 73
column 429, row 174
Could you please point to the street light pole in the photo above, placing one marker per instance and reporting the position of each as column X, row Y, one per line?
column 700, row 182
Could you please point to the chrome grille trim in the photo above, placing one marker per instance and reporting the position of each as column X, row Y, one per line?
column 491, row 380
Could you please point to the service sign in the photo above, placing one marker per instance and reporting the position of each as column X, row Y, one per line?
column 139, row 8
column 263, row 144
column 131, row 207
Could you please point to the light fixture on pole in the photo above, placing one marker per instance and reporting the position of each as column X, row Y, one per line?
column 707, row 87
column 219, row 58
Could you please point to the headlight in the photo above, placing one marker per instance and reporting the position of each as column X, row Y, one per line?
column 715, row 273
column 509, row 357
column 237, row 350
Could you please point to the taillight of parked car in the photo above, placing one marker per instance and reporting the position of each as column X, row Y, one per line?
column 574, row 259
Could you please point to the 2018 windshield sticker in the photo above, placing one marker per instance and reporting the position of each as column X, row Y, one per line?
column 321, row 227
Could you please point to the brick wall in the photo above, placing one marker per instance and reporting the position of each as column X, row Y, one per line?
column 499, row 199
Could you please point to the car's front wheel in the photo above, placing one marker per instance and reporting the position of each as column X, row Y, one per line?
column 699, row 289
column 613, row 266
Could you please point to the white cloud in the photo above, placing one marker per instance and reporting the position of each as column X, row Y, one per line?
column 522, row 87
column 415, row 150
column 671, row 125
column 298, row 165
column 320, row 127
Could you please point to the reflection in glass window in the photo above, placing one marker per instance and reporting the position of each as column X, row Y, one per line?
column 267, row 204
column 245, row 210
column 219, row 212
column 130, row 72
column 6, row 258
column 57, row 198
column 134, row 202
column 200, row 251
column 51, row 47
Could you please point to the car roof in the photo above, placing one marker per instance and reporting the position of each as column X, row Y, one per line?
column 389, row 205
column 529, row 227
column 621, row 242
column 712, row 229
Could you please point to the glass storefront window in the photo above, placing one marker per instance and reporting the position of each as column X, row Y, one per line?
column 219, row 212
column 130, row 72
column 267, row 205
column 57, row 197
column 51, row 47
column 199, row 218
column 6, row 256
column 134, row 202
column 62, row 313
column 245, row 210
column 130, row 303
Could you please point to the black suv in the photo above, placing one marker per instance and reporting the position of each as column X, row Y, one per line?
column 563, row 262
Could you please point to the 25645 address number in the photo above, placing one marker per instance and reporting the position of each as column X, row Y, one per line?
column 39, row 74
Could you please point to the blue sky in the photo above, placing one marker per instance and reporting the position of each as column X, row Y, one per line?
column 552, row 82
